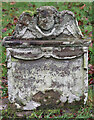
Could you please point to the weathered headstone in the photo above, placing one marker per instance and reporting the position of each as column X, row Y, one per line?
column 47, row 60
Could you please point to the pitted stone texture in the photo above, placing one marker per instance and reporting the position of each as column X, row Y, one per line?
column 26, row 78
column 48, row 97
column 55, row 52
column 31, row 105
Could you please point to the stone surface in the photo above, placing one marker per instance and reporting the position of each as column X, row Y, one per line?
column 47, row 60
column 31, row 105
column 29, row 79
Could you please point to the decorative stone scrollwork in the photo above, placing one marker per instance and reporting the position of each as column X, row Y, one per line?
column 37, row 53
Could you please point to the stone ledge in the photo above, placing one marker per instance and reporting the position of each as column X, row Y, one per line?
column 9, row 42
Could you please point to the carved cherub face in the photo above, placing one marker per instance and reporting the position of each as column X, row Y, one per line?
column 45, row 19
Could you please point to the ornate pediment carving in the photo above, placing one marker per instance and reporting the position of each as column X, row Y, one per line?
column 47, row 23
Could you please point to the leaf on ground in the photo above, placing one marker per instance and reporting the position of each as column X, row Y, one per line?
column 80, row 22
column 15, row 20
column 2, row 64
column 34, row 6
column 82, row 6
column 90, row 34
column 9, row 25
column 4, row 30
column 12, row 3
column 4, row 10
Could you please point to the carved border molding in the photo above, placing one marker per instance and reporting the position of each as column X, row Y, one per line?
column 47, row 52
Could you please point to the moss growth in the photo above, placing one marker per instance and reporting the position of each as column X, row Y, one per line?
column 13, row 59
column 30, row 12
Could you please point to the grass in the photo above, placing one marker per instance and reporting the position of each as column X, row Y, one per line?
column 84, row 17
column 76, row 112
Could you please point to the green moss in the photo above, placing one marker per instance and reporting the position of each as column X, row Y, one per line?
column 14, row 59
column 30, row 12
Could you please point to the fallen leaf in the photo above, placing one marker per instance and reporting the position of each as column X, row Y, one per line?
column 9, row 25
column 86, row 31
column 90, row 72
column 90, row 66
column 0, row 87
column 80, row 22
column 13, row 31
column 82, row 6
column 34, row 6
column 69, row 5
column 30, row 5
column 2, row 64
column 15, row 20
column 9, row 34
column 57, row 8
column 4, row 10
column 90, row 34
column 86, row 18
column 91, row 44
column 79, row 14
column 12, row 3
column 4, row 30
column 88, row 23
column 4, row 97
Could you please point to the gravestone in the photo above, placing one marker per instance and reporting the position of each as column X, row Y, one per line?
column 47, row 60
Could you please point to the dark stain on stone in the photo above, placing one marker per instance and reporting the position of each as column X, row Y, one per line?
column 57, row 84
column 67, row 52
column 25, row 55
column 67, row 72
column 52, row 93
column 75, row 103
column 38, row 97
column 75, row 68
column 25, row 85
column 54, row 84
column 33, row 87
column 68, row 85
column 50, row 97
column 74, row 81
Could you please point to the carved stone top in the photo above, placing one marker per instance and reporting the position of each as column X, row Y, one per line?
column 47, row 24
